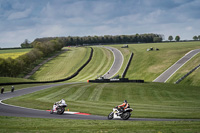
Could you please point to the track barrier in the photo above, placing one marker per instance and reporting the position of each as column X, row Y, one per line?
column 178, row 81
column 127, row 66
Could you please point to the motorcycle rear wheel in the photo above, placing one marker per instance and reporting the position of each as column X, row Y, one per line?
column 110, row 116
column 126, row 115
column 60, row 111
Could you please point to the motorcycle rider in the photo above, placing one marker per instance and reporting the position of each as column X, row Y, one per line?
column 123, row 106
column 56, row 104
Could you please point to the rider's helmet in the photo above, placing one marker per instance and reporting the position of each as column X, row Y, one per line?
column 125, row 101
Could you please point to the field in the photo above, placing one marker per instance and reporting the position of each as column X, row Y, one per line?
column 13, row 53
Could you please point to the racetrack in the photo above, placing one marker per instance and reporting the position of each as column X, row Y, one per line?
column 117, row 64
column 171, row 70
column 9, row 110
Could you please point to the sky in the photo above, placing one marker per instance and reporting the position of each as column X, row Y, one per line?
column 31, row 19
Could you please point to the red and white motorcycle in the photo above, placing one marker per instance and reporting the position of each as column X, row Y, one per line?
column 125, row 115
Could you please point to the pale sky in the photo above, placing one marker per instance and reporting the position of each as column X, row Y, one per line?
column 31, row 19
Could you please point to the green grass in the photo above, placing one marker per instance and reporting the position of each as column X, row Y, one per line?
column 149, row 100
column 13, row 53
column 64, row 65
column 149, row 65
column 9, row 79
column 17, row 124
column 193, row 78
column 101, row 62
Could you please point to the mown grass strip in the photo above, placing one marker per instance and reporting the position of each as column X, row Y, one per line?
column 101, row 62
column 18, row 124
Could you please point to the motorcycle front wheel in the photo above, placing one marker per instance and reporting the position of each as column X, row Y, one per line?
column 110, row 116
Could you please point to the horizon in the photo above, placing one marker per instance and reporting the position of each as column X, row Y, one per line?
column 21, row 19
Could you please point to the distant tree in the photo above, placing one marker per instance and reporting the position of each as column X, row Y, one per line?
column 170, row 38
column 177, row 38
column 199, row 37
column 157, row 39
column 26, row 44
column 195, row 38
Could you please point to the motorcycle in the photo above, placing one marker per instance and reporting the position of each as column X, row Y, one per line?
column 60, row 109
column 125, row 115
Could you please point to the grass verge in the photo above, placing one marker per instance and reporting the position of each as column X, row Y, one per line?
column 17, row 124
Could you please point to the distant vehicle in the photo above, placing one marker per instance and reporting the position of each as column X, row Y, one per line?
column 124, row 46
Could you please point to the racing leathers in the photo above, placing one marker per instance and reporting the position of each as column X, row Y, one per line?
column 123, row 106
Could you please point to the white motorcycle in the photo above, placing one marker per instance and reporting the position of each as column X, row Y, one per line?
column 125, row 115
column 59, row 109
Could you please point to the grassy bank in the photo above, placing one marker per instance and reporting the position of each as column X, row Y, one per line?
column 101, row 62
column 149, row 65
column 16, row 124
column 155, row 100
column 63, row 65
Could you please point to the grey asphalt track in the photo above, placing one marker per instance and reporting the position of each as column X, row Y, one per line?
column 170, row 71
column 117, row 64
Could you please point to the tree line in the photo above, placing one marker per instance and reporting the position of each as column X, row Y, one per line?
column 177, row 38
column 196, row 37
column 13, row 67
column 106, row 39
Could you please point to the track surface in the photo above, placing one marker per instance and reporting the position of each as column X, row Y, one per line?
column 170, row 71
column 117, row 64
column 9, row 110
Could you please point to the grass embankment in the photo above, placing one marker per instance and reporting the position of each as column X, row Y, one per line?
column 13, row 53
column 148, row 100
column 149, row 65
column 193, row 78
column 16, row 124
column 101, row 62
column 64, row 65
